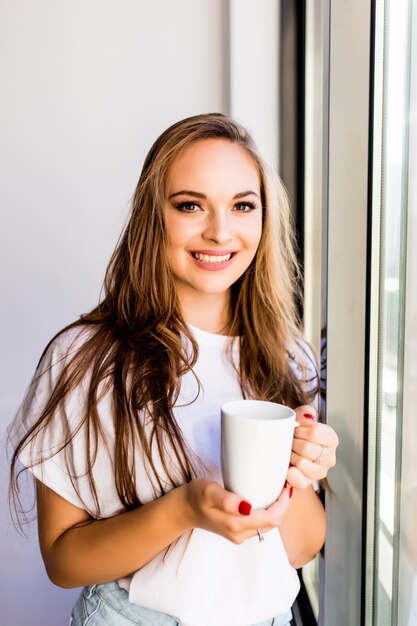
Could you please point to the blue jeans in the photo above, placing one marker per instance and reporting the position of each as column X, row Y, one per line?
column 108, row 605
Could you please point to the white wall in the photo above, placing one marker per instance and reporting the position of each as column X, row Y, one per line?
column 87, row 86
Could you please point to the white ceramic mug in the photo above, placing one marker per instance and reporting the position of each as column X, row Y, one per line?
column 256, row 443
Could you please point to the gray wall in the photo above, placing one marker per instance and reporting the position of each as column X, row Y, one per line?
column 87, row 86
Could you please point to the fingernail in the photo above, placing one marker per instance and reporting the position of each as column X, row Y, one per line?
column 309, row 416
column 291, row 490
column 245, row 508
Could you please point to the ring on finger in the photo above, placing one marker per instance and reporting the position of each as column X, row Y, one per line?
column 320, row 457
column 260, row 535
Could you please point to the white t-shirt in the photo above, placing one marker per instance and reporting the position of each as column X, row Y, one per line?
column 203, row 579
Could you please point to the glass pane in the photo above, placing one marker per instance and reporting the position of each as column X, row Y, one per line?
column 407, row 592
column 391, row 166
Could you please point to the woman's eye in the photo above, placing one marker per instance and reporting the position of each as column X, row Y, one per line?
column 188, row 207
column 245, row 207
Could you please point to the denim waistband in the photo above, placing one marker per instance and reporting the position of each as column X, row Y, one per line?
column 109, row 604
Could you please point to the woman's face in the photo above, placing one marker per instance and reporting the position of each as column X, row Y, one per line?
column 213, row 217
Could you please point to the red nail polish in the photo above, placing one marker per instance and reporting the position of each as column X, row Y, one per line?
column 245, row 508
column 309, row 416
column 291, row 491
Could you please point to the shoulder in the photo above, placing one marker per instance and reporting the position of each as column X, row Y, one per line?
column 45, row 380
column 60, row 350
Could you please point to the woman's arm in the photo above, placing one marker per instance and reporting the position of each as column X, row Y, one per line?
column 303, row 528
column 78, row 550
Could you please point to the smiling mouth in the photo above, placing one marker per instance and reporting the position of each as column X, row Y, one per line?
column 212, row 258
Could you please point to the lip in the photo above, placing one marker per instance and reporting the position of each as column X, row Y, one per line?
column 213, row 252
column 213, row 267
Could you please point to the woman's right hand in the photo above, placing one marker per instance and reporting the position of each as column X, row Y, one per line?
column 211, row 507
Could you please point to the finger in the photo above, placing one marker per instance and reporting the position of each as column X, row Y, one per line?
column 326, row 458
column 278, row 510
column 306, row 415
column 225, row 501
column 321, row 434
column 282, row 503
column 272, row 516
column 307, row 449
column 297, row 479
column 313, row 471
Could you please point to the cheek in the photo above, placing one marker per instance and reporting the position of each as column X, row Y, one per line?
column 174, row 231
column 255, row 233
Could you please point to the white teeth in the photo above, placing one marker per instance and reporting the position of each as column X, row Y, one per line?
column 208, row 258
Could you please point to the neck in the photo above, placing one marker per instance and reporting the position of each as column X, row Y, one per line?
column 210, row 312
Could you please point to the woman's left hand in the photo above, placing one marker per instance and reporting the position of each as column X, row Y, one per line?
column 313, row 450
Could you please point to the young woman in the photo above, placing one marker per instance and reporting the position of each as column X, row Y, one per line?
column 120, row 426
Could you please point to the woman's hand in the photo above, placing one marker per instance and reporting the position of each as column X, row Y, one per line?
column 313, row 451
column 212, row 508
column 209, row 506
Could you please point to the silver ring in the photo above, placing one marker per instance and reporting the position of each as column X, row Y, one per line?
column 322, row 453
column 260, row 535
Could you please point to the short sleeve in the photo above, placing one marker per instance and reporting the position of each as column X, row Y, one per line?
column 59, row 455
column 43, row 453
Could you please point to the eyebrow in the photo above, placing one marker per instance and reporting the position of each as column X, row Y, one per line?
column 202, row 196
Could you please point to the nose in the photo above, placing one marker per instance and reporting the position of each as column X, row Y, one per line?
column 218, row 227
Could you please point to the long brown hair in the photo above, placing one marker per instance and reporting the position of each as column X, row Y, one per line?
column 132, row 345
